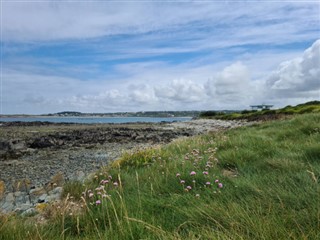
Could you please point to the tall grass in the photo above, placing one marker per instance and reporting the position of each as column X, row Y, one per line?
column 269, row 176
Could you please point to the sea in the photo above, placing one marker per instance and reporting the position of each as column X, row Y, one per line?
column 95, row 120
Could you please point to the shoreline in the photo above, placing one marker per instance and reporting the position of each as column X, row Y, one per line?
column 36, row 156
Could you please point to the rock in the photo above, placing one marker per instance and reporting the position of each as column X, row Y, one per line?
column 29, row 211
column 9, row 202
column 43, row 198
column 11, row 148
column 56, row 191
column 5, row 145
column 23, row 208
column 80, row 176
column 21, row 198
column 36, row 193
column 42, row 142
column 18, row 144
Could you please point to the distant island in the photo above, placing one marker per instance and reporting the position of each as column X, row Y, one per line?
column 156, row 114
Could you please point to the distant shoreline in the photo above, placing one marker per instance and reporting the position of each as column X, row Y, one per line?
column 93, row 119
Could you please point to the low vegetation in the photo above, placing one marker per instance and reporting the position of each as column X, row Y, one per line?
column 266, row 114
column 258, row 182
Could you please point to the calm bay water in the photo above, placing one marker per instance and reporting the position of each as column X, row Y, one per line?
column 93, row 120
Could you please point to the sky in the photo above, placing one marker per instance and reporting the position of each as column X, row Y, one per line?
column 126, row 56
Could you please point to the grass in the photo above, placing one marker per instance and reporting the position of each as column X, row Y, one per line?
column 254, row 115
column 269, row 189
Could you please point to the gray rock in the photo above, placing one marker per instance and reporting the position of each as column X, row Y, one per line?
column 29, row 211
column 80, row 176
column 23, row 207
column 43, row 198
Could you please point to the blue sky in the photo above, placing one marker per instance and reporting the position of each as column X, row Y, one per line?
column 110, row 56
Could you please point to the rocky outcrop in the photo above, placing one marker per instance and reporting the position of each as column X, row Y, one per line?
column 25, row 198
column 12, row 148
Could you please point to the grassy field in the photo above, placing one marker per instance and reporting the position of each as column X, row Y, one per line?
column 271, row 114
column 258, row 182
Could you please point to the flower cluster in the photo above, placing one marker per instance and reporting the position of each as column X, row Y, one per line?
column 95, row 197
column 200, row 177
column 216, row 183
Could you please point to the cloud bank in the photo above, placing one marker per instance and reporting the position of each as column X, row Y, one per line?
column 295, row 80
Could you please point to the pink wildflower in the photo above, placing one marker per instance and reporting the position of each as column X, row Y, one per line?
column 91, row 195
column 189, row 187
column 208, row 183
column 193, row 173
column 216, row 181
column 205, row 173
column 115, row 184
column 104, row 182
column 220, row 185
column 98, row 202
column 178, row 175
column 182, row 181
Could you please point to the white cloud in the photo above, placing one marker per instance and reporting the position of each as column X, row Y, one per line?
column 297, row 77
column 141, row 94
column 181, row 90
column 231, row 86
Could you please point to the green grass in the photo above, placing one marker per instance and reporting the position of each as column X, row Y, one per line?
column 254, row 115
column 270, row 175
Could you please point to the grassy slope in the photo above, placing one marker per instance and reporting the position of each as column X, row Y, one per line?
column 309, row 107
column 274, row 195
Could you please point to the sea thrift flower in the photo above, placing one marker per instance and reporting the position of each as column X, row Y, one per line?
column 205, row 173
column 91, row 195
column 104, row 195
column 182, row 181
column 178, row 175
column 197, row 195
column 189, row 187
column 208, row 183
column 104, row 182
column 216, row 181
column 193, row 173
column 98, row 202
column 115, row 184
column 220, row 185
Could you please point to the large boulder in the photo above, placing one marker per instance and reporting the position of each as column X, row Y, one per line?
column 11, row 148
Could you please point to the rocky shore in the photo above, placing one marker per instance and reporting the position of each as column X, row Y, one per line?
column 37, row 158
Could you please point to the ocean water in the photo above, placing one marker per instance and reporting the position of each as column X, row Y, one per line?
column 92, row 120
